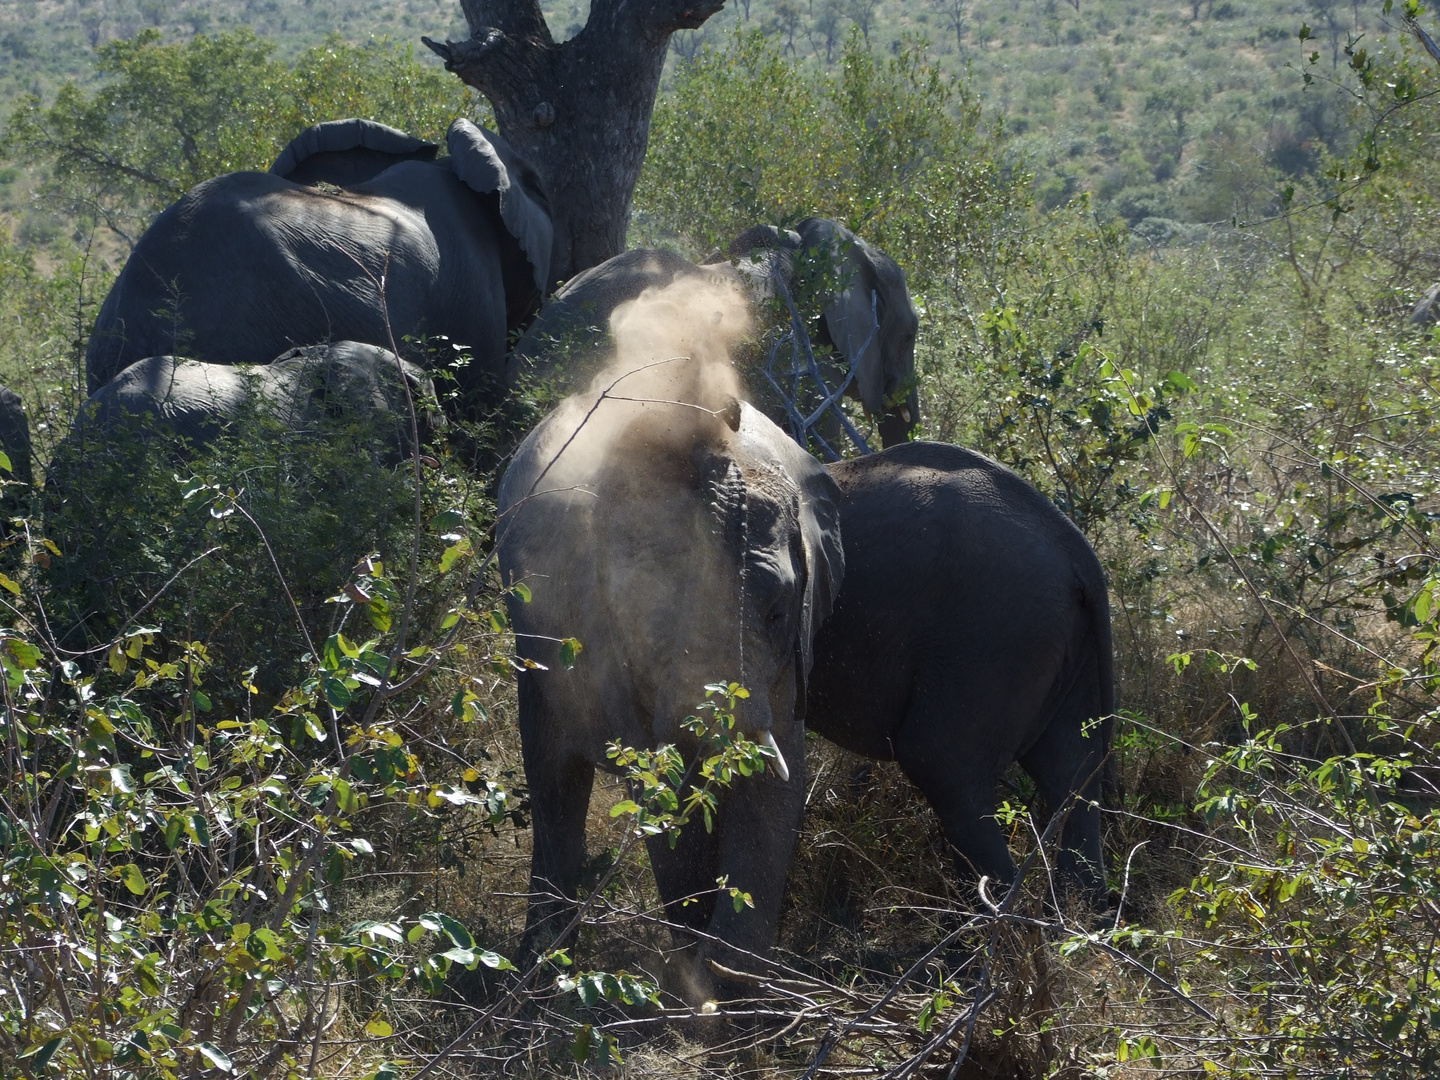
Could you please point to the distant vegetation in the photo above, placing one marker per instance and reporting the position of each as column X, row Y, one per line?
column 1170, row 114
column 1159, row 274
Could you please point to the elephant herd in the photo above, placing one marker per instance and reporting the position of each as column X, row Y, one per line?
column 922, row 604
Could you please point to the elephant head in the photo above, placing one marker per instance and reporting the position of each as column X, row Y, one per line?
column 347, row 153
column 682, row 541
column 867, row 318
column 867, row 315
column 1426, row 311
column 489, row 166
column 568, row 341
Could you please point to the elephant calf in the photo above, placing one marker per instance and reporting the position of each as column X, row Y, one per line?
column 973, row 630
column 196, row 401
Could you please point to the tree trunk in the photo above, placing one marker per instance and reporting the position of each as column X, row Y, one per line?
column 578, row 111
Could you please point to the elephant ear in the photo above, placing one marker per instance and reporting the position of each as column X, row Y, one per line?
column 819, row 522
column 871, row 321
column 488, row 165
column 348, row 152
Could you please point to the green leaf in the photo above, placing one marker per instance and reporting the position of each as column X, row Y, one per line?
column 25, row 654
column 7, row 583
column 580, row 1048
column 133, row 879
column 447, row 521
column 379, row 1028
column 495, row 961
column 5, row 462
column 373, row 929
column 37, row 1057
column 1180, row 382
column 336, row 693
column 215, row 1056
column 461, row 549
column 378, row 612
column 455, row 930
column 569, row 650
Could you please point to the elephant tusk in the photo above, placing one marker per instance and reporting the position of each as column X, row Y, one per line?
column 767, row 740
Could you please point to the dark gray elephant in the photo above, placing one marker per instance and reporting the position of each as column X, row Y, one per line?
column 248, row 265
column 679, row 549
column 196, row 402
column 973, row 631
column 867, row 314
column 15, row 435
column 15, row 441
column 1426, row 311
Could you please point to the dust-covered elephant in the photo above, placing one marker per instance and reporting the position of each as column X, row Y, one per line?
column 865, row 308
column 683, row 540
column 356, row 233
column 973, row 631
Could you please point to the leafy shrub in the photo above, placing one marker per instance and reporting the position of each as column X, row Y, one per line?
column 262, row 526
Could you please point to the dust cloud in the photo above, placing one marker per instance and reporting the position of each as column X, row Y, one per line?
column 671, row 374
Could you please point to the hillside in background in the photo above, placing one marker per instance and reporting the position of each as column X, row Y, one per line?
column 1170, row 114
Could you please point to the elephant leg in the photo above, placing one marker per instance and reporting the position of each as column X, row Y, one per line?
column 759, row 827
column 1067, row 762
column 559, row 801
column 963, row 798
column 958, row 779
column 685, row 874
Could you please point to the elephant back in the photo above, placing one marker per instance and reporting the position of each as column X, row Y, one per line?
column 190, row 404
column 570, row 339
column 185, row 398
column 348, row 152
column 350, row 379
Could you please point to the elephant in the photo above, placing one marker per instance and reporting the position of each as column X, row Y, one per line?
column 686, row 546
column 354, row 234
column 195, row 402
column 15, row 442
column 15, row 436
column 867, row 316
column 1426, row 311
column 973, row 630
column 310, row 444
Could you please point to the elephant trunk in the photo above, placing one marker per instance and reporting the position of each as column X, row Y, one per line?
column 900, row 420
